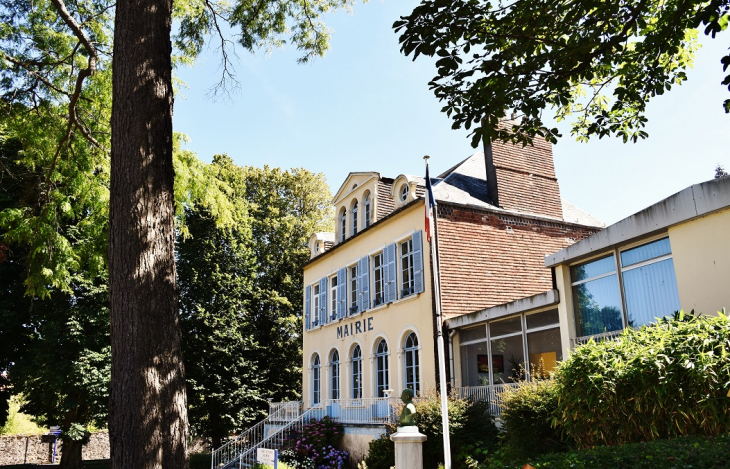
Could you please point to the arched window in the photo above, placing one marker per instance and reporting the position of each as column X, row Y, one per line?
column 335, row 374
column 404, row 192
column 410, row 352
column 343, row 225
column 366, row 210
column 356, row 372
column 381, row 368
column 354, row 218
column 316, row 381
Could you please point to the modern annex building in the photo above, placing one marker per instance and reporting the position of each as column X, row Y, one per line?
column 672, row 255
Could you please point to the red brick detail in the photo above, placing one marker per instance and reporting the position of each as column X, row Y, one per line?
column 488, row 259
column 526, row 178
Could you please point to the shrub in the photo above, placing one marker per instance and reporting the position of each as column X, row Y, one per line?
column 317, row 443
column 381, row 453
column 527, row 417
column 680, row 453
column 471, row 426
column 666, row 380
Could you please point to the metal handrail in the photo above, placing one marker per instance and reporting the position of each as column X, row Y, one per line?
column 230, row 451
column 612, row 335
column 276, row 439
column 492, row 394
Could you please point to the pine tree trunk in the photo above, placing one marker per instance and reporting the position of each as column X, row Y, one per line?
column 148, row 409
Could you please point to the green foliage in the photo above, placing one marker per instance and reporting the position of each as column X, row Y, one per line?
column 666, row 380
column 527, row 416
column 199, row 460
column 471, row 427
column 599, row 62
column 19, row 423
column 240, row 293
column 381, row 453
column 680, row 453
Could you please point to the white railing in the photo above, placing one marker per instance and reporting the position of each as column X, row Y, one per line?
column 229, row 452
column 368, row 410
column 613, row 335
column 491, row 394
column 285, row 411
column 277, row 438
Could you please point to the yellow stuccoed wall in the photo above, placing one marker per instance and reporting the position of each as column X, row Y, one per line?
column 701, row 252
column 393, row 321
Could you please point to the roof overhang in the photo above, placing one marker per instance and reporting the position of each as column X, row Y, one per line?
column 523, row 305
column 695, row 201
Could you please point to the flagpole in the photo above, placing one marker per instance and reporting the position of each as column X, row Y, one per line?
column 439, row 325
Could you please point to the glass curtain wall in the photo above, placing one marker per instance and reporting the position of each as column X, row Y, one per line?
column 495, row 353
column 642, row 287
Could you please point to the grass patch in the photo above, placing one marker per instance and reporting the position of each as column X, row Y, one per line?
column 19, row 423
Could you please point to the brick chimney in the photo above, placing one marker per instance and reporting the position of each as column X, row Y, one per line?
column 523, row 178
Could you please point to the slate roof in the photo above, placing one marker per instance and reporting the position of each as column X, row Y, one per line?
column 466, row 184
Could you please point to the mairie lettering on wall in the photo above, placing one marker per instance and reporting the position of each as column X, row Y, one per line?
column 361, row 325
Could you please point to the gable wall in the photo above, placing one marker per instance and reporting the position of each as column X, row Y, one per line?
column 483, row 265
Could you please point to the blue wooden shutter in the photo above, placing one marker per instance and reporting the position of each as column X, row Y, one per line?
column 363, row 273
column 391, row 283
column 342, row 293
column 307, row 307
column 385, row 274
column 323, row 301
column 418, row 262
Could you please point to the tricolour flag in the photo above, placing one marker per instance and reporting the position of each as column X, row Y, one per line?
column 430, row 204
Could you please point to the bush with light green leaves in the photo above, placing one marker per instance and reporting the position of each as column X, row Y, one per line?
column 666, row 380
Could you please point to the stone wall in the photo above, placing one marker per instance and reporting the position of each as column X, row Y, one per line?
column 38, row 449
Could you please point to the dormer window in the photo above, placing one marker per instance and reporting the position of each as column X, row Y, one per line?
column 366, row 206
column 343, row 225
column 404, row 192
column 354, row 218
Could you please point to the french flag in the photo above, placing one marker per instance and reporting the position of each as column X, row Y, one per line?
column 430, row 204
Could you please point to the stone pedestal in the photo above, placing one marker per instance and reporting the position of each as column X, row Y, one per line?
column 408, row 448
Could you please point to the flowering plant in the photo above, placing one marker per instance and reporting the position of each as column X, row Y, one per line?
column 315, row 446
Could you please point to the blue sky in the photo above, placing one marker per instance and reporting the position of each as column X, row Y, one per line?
column 366, row 107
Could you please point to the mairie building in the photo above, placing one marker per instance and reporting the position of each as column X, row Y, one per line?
column 525, row 278
column 369, row 308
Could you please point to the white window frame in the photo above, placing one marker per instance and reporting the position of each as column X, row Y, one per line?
column 356, row 373
column 366, row 210
column 380, row 269
column 314, row 315
column 343, row 225
column 334, row 299
column 354, row 211
column 382, row 368
column 619, row 270
column 352, row 288
column 316, row 381
column 335, row 374
column 408, row 283
column 414, row 353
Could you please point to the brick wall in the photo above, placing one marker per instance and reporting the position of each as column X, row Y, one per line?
column 526, row 178
column 484, row 264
